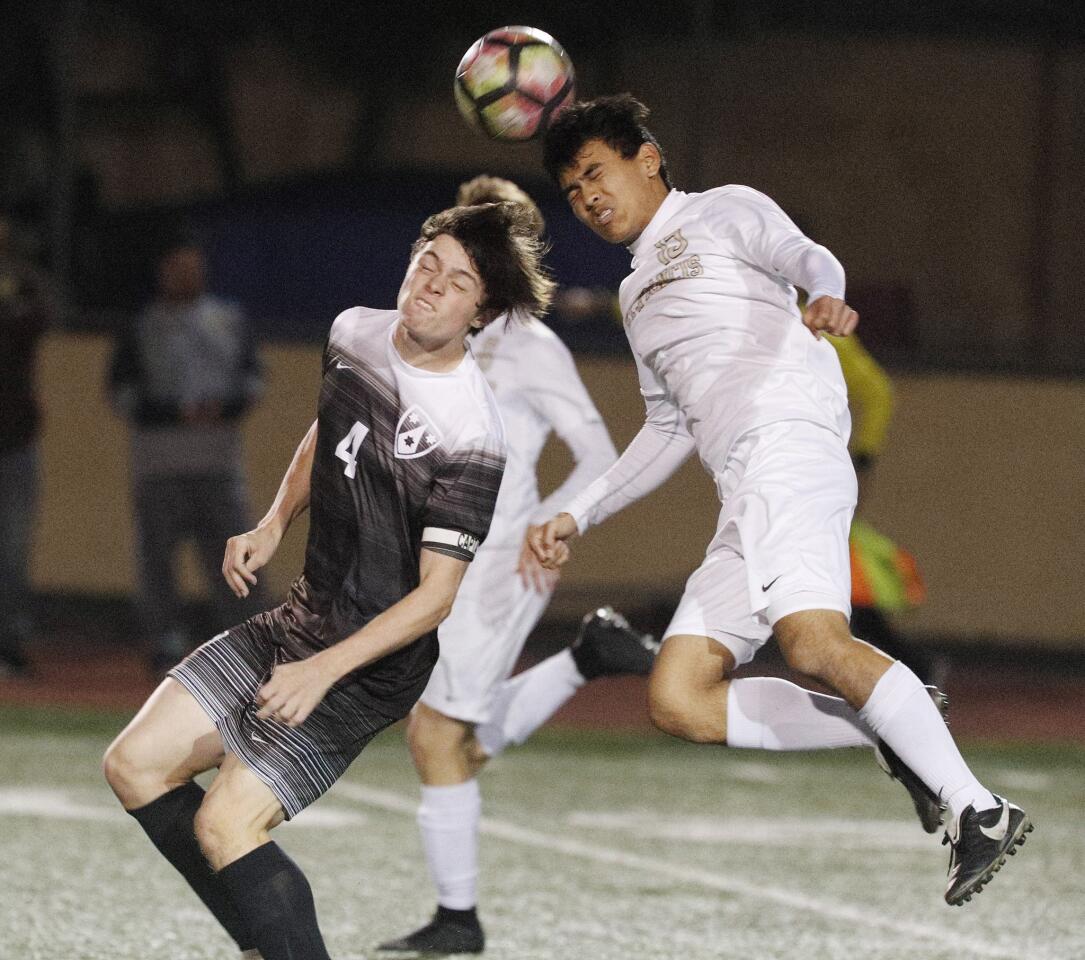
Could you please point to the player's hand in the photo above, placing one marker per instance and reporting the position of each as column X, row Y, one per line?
column 294, row 691
column 548, row 540
column 533, row 574
column 829, row 315
column 245, row 554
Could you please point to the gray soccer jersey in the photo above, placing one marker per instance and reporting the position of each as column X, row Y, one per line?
column 405, row 459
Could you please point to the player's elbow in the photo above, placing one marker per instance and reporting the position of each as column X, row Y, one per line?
column 440, row 613
column 440, row 606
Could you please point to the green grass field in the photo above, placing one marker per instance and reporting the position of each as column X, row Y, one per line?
column 602, row 847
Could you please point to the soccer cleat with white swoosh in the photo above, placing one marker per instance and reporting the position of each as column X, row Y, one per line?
column 979, row 843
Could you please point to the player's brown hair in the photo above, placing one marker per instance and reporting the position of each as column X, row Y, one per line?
column 619, row 121
column 489, row 189
column 501, row 240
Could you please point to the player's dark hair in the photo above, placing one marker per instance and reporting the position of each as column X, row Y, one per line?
column 501, row 240
column 619, row 121
column 488, row 189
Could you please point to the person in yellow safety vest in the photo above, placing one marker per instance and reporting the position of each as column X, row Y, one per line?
column 885, row 578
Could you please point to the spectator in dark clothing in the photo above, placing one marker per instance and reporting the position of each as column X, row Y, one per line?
column 27, row 308
column 183, row 375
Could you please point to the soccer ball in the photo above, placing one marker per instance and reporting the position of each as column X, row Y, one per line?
column 511, row 82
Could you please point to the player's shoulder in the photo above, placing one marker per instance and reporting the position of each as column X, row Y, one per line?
column 480, row 418
column 358, row 324
column 733, row 196
column 736, row 208
column 524, row 342
column 530, row 333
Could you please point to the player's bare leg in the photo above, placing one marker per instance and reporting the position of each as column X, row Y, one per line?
column 687, row 691
column 691, row 695
column 237, row 814
column 169, row 742
column 271, row 893
column 150, row 767
column 819, row 644
column 444, row 749
column 983, row 829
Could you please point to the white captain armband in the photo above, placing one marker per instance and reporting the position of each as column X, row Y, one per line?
column 454, row 543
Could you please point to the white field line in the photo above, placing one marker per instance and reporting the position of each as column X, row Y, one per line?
column 654, row 868
column 52, row 804
column 874, row 836
column 1034, row 781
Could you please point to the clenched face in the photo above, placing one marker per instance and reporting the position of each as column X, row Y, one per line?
column 441, row 296
column 613, row 196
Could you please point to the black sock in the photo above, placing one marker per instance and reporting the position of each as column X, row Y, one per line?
column 168, row 821
column 277, row 903
column 463, row 918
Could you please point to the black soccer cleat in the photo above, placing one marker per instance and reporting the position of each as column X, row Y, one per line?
column 606, row 646
column 450, row 931
column 928, row 806
column 978, row 845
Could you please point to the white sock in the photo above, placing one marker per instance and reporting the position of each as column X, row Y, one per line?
column 527, row 701
column 767, row 713
column 448, row 821
column 902, row 713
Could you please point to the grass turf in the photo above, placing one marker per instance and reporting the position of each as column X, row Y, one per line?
column 595, row 845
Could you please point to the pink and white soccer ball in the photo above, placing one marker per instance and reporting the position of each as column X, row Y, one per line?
column 512, row 81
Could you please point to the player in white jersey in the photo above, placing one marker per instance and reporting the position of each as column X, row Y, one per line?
column 471, row 710
column 728, row 367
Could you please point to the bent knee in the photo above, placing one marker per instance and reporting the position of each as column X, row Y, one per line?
column 211, row 824
column 431, row 734
column 690, row 715
column 126, row 773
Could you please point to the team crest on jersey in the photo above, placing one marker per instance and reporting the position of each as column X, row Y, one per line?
column 416, row 434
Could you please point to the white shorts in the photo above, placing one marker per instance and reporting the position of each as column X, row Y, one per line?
column 788, row 492
column 482, row 638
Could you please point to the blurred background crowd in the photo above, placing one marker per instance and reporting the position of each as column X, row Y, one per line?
column 190, row 192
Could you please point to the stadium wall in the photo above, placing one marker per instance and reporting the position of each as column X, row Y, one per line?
column 947, row 168
column 982, row 480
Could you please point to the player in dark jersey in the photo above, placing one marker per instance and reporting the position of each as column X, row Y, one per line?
column 400, row 471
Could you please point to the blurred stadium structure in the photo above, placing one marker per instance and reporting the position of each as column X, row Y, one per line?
column 936, row 145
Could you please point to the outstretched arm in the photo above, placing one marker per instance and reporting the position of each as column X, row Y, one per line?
column 248, row 552
column 593, row 453
column 552, row 385
column 660, row 447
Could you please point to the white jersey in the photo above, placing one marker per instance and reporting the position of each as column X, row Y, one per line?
column 710, row 313
column 538, row 389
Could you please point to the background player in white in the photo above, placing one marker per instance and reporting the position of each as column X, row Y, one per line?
column 471, row 709
column 728, row 368
column 400, row 472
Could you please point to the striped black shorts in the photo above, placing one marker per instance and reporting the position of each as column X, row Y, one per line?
column 298, row 763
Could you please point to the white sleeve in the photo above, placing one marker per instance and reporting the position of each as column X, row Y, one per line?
column 660, row 447
column 593, row 452
column 554, row 389
column 763, row 235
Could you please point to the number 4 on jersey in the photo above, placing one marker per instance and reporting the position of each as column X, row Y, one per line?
column 347, row 451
